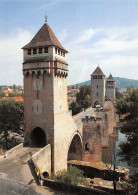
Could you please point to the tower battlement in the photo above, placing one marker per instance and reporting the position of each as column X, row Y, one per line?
column 91, row 118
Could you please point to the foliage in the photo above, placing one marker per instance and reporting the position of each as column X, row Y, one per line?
column 2, row 94
column 118, row 95
column 127, row 108
column 15, row 94
column 11, row 118
column 75, row 107
column 72, row 176
column 83, row 97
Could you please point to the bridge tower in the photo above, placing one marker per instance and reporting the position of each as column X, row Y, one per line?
column 45, row 71
column 110, row 88
column 97, row 87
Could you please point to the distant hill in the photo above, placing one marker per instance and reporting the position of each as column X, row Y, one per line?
column 120, row 83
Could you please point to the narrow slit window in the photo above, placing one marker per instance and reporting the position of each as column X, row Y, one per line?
column 46, row 49
column 63, row 54
column 87, row 147
column 58, row 51
column 55, row 50
column 40, row 50
column 34, row 51
column 29, row 51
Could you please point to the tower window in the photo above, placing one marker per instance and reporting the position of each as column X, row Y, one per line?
column 93, row 77
column 46, row 49
column 55, row 50
column 63, row 54
column 40, row 50
column 100, row 77
column 29, row 51
column 58, row 51
column 87, row 147
column 34, row 51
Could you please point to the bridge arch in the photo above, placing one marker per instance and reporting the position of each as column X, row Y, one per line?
column 96, row 103
column 75, row 148
column 38, row 137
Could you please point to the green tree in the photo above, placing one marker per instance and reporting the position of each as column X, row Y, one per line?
column 2, row 94
column 127, row 108
column 75, row 107
column 83, row 97
column 72, row 175
column 118, row 94
column 11, row 118
column 14, row 86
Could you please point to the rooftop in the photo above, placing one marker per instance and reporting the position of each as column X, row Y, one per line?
column 110, row 78
column 18, row 98
column 97, row 71
column 44, row 37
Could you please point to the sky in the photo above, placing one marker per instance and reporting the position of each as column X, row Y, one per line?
column 95, row 32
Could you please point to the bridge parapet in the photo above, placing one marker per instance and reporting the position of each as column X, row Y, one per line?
column 42, row 159
column 91, row 118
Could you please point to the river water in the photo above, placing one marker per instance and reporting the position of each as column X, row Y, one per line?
column 121, row 138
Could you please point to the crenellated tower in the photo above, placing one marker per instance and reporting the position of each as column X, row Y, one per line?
column 97, row 87
column 45, row 71
column 110, row 88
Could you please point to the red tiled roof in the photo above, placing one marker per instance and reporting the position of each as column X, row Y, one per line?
column 4, row 87
column 74, row 89
column 97, row 71
column 18, row 98
column 44, row 37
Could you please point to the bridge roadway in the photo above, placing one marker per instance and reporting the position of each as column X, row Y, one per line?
column 16, row 175
column 88, row 112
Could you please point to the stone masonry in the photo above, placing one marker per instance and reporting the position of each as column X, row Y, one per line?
column 47, row 118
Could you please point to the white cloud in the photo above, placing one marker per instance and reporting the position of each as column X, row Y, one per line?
column 83, row 37
column 86, row 35
column 11, row 56
column 49, row 3
column 62, row 36
column 114, row 49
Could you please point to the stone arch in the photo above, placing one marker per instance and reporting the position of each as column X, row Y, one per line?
column 96, row 103
column 27, row 73
column 75, row 148
column 38, row 137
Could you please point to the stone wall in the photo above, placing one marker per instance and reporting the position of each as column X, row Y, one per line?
column 43, row 159
column 92, row 138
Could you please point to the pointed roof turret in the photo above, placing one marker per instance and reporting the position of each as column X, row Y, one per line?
column 44, row 37
column 98, row 71
column 110, row 78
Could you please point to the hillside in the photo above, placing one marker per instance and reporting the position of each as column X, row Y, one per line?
column 120, row 83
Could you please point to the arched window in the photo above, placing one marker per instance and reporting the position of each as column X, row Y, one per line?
column 87, row 147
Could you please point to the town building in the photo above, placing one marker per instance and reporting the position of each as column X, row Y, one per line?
column 6, row 90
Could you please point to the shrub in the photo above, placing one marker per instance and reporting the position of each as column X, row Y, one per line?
column 71, row 176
